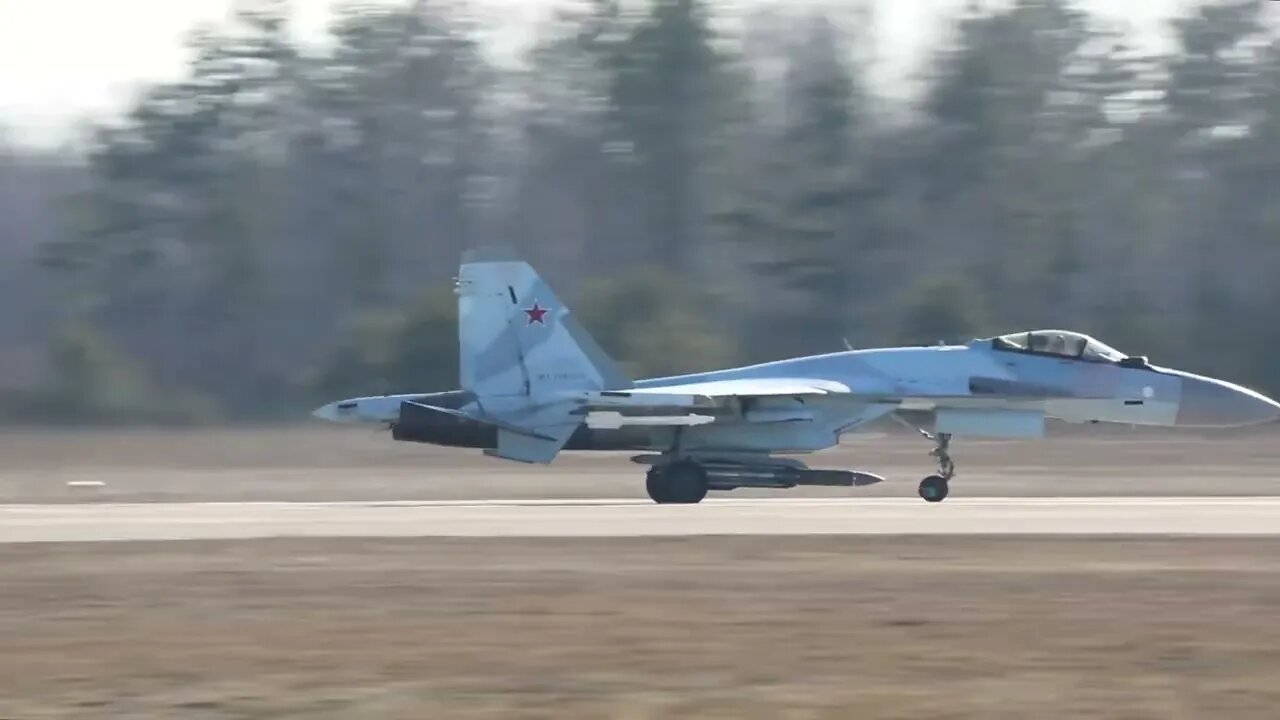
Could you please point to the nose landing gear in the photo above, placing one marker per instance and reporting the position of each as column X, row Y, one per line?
column 935, row 487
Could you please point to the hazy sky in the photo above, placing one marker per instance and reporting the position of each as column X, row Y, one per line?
column 62, row 61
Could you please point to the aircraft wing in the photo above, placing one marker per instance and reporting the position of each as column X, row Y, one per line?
column 752, row 400
column 782, row 400
column 996, row 412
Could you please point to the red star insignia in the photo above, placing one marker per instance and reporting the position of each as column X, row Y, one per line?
column 536, row 314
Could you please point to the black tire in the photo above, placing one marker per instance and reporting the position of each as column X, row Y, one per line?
column 656, row 487
column 934, row 488
column 681, row 483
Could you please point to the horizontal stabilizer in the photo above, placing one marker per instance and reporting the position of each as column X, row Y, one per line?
column 526, row 448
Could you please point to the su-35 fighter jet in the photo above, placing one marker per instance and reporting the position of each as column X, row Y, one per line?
column 535, row 383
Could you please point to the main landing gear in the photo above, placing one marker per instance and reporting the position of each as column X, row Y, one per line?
column 680, row 482
column 935, row 487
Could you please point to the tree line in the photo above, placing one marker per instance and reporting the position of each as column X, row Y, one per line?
column 281, row 224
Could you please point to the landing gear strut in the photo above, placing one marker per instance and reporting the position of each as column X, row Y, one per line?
column 935, row 487
column 680, row 482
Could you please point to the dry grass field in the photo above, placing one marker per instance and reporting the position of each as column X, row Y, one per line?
column 324, row 463
column 1044, row 628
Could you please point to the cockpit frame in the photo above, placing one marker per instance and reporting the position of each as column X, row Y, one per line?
column 1062, row 344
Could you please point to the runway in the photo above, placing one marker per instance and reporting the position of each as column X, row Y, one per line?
column 614, row 518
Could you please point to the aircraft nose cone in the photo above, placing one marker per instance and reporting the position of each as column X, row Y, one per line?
column 1207, row 402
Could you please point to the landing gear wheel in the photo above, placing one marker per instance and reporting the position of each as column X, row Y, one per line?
column 683, row 482
column 934, row 488
column 655, row 484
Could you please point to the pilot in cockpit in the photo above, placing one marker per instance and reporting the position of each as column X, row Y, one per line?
column 1057, row 345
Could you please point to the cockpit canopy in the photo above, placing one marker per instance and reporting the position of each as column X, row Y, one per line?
column 1061, row 343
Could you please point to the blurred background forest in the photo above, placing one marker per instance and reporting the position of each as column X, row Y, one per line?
column 705, row 183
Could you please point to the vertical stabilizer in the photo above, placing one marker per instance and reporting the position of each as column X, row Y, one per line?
column 517, row 338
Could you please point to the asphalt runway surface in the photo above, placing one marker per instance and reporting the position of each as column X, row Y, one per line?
column 1222, row 516
column 316, row 482
column 324, row 464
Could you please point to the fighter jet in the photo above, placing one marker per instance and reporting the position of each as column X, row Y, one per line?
column 534, row 383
